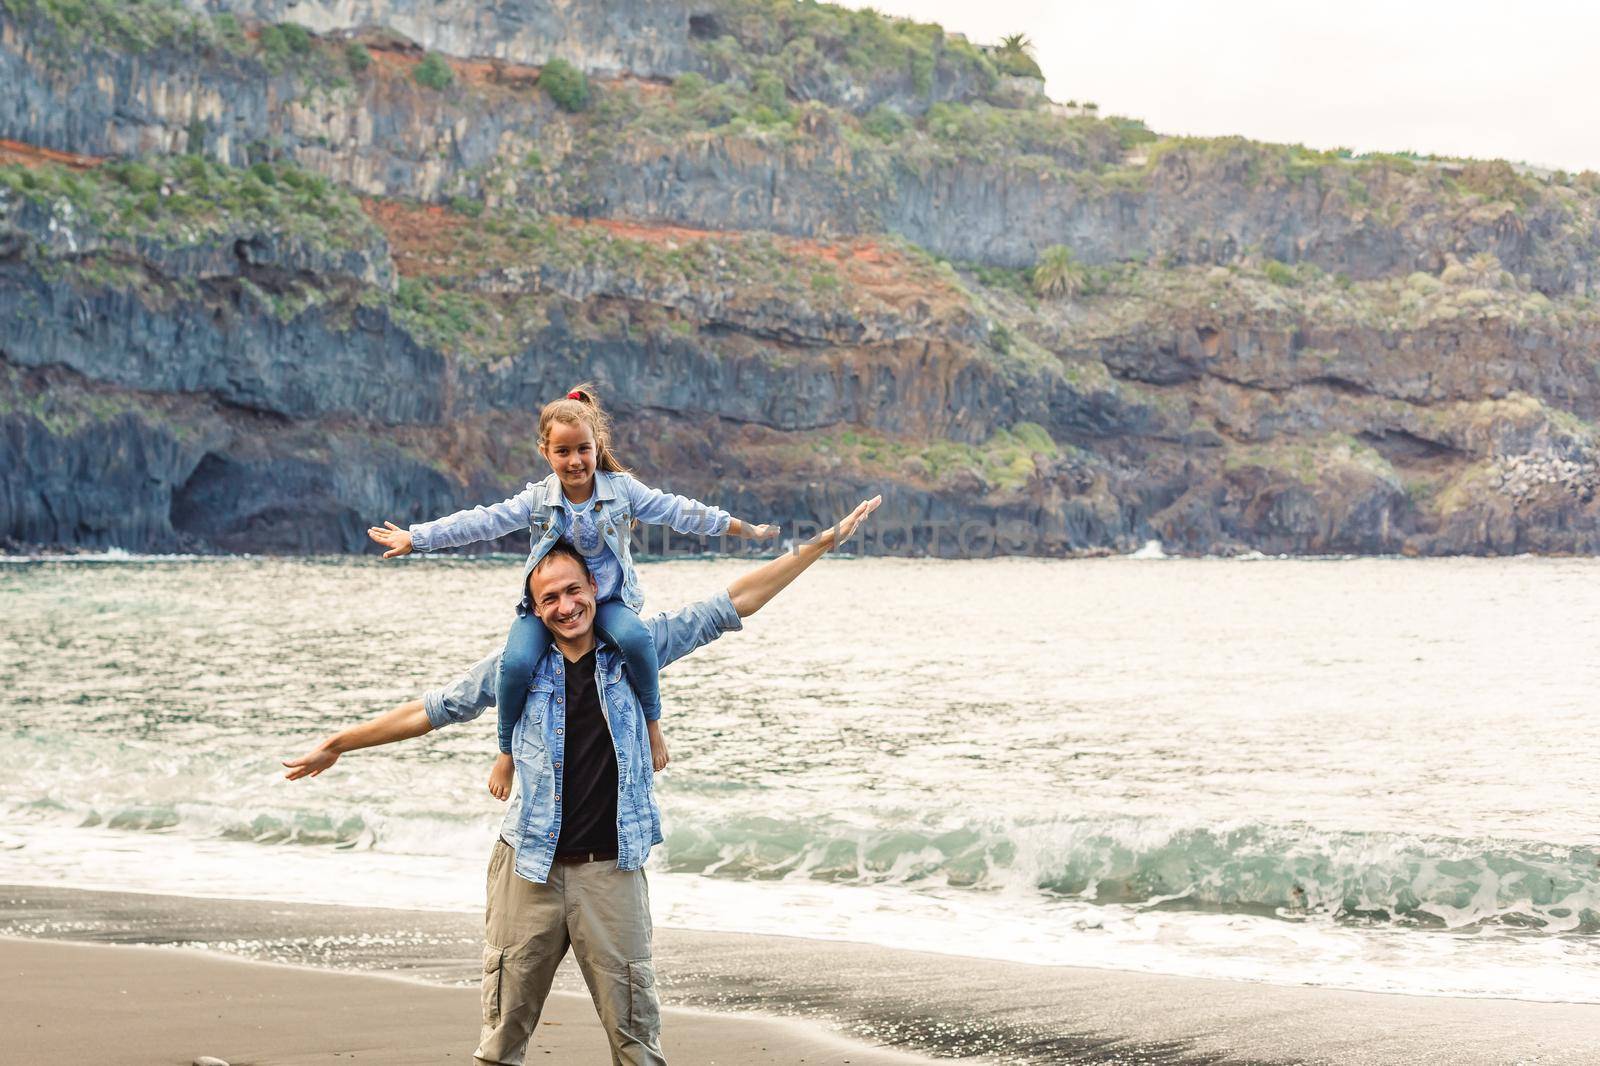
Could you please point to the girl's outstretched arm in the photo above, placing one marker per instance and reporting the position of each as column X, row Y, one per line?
column 740, row 528
column 391, row 536
column 657, row 508
column 486, row 522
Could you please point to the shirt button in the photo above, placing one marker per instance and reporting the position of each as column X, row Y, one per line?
column 558, row 797
column 558, row 766
column 560, row 699
column 552, row 836
column 558, row 731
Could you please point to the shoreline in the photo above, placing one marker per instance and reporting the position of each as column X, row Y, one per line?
column 458, row 915
column 887, row 1002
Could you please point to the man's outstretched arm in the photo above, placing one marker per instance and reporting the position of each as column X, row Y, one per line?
column 750, row 592
column 677, row 633
column 400, row 723
column 461, row 700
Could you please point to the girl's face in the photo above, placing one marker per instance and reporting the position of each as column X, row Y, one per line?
column 572, row 453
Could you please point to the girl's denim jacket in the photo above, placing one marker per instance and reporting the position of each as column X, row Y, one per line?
column 619, row 501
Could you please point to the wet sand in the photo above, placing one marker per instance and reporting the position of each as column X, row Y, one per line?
column 806, row 992
column 66, row 1002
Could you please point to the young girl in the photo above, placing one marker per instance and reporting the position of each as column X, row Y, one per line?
column 591, row 502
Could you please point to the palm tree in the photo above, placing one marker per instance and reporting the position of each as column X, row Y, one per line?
column 1016, row 44
column 1057, row 274
column 1015, row 56
column 1485, row 267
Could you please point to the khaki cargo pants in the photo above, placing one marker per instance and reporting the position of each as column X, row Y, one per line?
column 603, row 913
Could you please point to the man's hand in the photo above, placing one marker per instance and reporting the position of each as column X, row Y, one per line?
column 397, row 540
column 312, row 762
column 408, row 720
column 845, row 528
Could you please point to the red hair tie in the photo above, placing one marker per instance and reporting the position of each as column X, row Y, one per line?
column 575, row 394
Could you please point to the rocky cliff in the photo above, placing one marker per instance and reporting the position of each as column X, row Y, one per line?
column 263, row 282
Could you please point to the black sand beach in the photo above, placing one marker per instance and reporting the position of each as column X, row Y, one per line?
column 149, row 1005
column 887, row 1002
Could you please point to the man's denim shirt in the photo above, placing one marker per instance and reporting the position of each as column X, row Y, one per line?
column 620, row 500
column 533, row 822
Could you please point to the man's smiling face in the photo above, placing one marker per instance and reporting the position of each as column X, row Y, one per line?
column 563, row 593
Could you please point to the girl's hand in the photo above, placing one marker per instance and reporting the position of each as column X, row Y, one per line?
column 658, row 747
column 763, row 532
column 397, row 540
column 500, row 777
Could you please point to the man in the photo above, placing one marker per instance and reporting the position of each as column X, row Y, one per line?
column 568, row 867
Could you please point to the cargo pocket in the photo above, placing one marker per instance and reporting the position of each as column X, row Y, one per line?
column 497, row 859
column 493, row 966
column 644, row 1010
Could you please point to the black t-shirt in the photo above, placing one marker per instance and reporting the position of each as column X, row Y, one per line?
column 587, row 781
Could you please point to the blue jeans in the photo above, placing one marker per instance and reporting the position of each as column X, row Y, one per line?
column 528, row 641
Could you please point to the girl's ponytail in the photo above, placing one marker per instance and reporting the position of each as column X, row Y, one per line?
column 581, row 406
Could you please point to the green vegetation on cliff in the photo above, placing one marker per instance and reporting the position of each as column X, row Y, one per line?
column 1034, row 138
column 1312, row 461
column 64, row 26
column 70, row 406
column 356, row 57
column 280, row 45
column 1014, row 56
column 1006, row 462
column 825, row 46
column 461, row 323
column 567, row 85
column 1025, row 138
column 481, row 282
column 433, row 72
column 183, row 200
column 1135, row 298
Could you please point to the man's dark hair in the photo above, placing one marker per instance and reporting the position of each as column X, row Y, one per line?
column 562, row 550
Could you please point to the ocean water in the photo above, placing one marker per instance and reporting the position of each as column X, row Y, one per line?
column 1366, row 774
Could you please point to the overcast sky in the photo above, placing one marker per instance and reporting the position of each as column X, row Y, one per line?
column 1454, row 77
